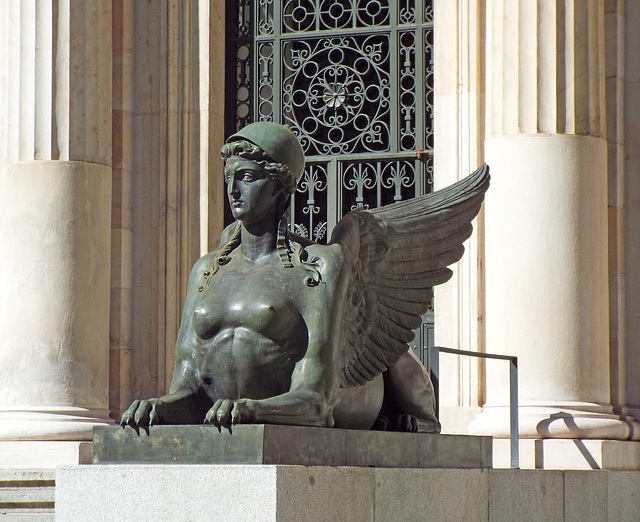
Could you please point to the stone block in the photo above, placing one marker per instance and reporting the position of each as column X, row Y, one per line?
column 214, row 492
column 620, row 455
column 166, row 492
column 321, row 493
column 431, row 494
column 624, row 495
column 294, row 445
column 314, row 493
column 522, row 495
column 585, row 495
column 416, row 450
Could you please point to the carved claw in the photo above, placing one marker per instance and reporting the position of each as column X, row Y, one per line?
column 223, row 414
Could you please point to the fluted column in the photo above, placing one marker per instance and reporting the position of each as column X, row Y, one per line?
column 630, row 364
column 55, row 199
column 459, row 119
column 546, row 220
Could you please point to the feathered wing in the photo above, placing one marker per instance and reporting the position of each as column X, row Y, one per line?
column 398, row 253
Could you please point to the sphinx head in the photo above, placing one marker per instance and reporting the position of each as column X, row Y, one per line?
column 269, row 149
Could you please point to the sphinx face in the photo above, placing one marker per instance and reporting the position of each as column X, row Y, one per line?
column 253, row 194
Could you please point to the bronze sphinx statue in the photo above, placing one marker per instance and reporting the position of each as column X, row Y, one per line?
column 278, row 329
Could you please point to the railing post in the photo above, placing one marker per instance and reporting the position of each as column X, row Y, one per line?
column 433, row 364
column 513, row 413
column 434, row 373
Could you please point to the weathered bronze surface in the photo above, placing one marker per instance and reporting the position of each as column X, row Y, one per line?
column 279, row 330
column 289, row 445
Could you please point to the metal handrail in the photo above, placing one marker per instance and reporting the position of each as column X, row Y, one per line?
column 434, row 369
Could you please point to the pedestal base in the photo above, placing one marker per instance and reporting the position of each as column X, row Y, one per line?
column 296, row 445
column 317, row 493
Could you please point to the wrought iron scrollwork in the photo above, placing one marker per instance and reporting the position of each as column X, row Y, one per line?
column 310, row 203
column 265, row 81
column 407, row 90
column 428, row 88
column 359, row 177
column 428, row 12
column 336, row 93
column 239, row 52
column 265, row 17
column 331, row 15
column 407, row 11
column 396, row 176
column 243, row 19
column 373, row 183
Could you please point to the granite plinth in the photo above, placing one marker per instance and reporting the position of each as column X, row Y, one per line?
column 294, row 445
column 207, row 492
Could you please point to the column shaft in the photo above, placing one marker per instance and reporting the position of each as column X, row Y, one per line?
column 459, row 119
column 55, row 214
column 546, row 220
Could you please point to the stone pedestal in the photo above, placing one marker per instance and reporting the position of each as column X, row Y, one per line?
column 320, row 493
column 338, row 475
column 294, row 445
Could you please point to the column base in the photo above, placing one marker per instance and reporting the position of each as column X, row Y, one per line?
column 40, row 454
column 456, row 419
column 51, row 424
column 615, row 455
column 576, row 420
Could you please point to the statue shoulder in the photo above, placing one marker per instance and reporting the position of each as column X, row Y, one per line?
column 203, row 262
column 327, row 257
column 206, row 262
column 329, row 260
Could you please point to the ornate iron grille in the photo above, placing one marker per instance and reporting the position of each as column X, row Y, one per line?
column 354, row 81
column 336, row 93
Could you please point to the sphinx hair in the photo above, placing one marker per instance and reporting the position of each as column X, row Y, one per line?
column 222, row 257
column 278, row 171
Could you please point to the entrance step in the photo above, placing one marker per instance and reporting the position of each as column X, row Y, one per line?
column 27, row 494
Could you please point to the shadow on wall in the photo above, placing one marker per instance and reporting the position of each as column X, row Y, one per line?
column 545, row 430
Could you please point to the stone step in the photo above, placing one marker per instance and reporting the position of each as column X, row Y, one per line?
column 27, row 494
column 27, row 514
column 33, row 477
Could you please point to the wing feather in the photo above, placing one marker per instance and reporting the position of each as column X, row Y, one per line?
column 396, row 330
column 418, row 296
column 418, row 267
column 396, row 255
column 401, row 306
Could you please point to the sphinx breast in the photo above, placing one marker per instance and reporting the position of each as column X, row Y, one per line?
column 273, row 319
